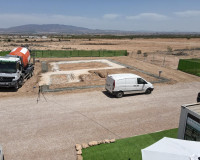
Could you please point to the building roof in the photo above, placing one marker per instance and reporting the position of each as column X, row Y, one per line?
column 194, row 107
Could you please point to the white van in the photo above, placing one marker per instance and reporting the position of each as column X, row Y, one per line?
column 120, row 84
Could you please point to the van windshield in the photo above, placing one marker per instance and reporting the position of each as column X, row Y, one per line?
column 7, row 67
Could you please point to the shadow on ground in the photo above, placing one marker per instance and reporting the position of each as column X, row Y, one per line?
column 8, row 90
column 126, row 95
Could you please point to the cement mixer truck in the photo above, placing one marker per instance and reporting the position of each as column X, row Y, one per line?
column 15, row 68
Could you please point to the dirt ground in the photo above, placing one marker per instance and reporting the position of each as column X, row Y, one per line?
column 89, row 65
column 132, row 45
column 50, row 128
column 168, row 71
column 94, row 78
column 47, row 126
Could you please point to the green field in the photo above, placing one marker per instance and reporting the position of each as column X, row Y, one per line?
column 126, row 149
column 74, row 53
column 191, row 66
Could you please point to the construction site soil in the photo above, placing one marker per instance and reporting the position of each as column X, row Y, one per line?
column 97, row 77
column 47, row 126
column 88, row 65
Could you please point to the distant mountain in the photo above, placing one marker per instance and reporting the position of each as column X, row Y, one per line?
column 54, row 29
column 68, row 29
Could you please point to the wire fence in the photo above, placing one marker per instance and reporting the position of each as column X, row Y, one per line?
column 78, row 53
column 74, row 53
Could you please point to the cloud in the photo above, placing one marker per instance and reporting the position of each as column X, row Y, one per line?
column 111, row 16
column 189, row 13
column 150, row 16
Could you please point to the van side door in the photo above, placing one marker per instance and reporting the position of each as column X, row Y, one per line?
column 131, row 84
column 120, row 85
column 141, row 84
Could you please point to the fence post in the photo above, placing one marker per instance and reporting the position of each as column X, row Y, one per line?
column 153, row 58
column 164, row 61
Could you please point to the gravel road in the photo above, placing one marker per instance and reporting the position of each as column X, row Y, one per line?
column 49, row 130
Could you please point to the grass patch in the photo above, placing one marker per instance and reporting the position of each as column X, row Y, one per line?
column 191, row 66
column 3, row 53
column 126, row 149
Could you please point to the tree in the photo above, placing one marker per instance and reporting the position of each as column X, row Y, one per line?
column 145, row 54
column 169, row 49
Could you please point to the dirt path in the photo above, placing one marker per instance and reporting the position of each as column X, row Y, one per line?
column 49, row 130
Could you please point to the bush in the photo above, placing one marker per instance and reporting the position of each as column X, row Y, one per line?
column 145, row 54
column 139, row 52
column 169, row 49
column 8, row 40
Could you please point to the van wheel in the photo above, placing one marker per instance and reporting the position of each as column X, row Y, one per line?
column 119, row 94
column 148, row 91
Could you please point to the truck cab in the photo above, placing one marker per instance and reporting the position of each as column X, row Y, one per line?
column 10, row 71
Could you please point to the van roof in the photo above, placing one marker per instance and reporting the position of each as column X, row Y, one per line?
column 123, row 75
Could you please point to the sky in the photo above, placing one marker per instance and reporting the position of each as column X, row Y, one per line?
column 127, row 15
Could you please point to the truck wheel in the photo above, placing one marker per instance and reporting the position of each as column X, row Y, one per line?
column 148, row 91
column 30, row 75
column 119, row 94
column 17, row 86
column 20, row 83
